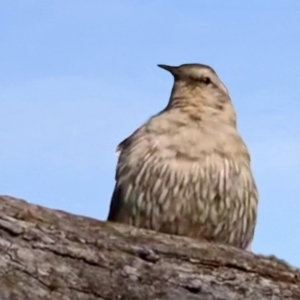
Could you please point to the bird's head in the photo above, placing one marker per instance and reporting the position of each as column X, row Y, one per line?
column 197, row 86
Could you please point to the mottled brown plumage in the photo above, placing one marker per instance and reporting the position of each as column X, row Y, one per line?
column 186, row 171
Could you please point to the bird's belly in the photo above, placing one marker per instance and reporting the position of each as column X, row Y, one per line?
column 197, row 207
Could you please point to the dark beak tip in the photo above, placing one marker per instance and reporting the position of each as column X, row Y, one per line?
column 162, row 66
column 168, row 68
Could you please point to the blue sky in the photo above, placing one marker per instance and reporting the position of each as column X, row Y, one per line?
column 77, row 77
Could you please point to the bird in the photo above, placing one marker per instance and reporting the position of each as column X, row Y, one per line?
column 187, row 171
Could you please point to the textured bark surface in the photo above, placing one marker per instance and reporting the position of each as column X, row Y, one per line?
column 50, row 254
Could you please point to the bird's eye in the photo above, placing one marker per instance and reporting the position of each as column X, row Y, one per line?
column 206, row 80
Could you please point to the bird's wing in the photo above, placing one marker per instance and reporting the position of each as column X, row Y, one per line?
column 121, row 146
column 116, row 199
column 115, row 204
column 125, row 143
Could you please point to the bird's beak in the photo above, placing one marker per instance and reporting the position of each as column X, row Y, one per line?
column 173, row 70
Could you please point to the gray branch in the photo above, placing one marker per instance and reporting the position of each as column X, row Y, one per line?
column 50, row 254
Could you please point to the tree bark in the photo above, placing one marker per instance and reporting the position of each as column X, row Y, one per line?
column 50, row 254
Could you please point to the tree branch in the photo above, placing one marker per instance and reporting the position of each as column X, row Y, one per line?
column 50, row 254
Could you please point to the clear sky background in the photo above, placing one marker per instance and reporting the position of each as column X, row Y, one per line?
column 77, row 77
